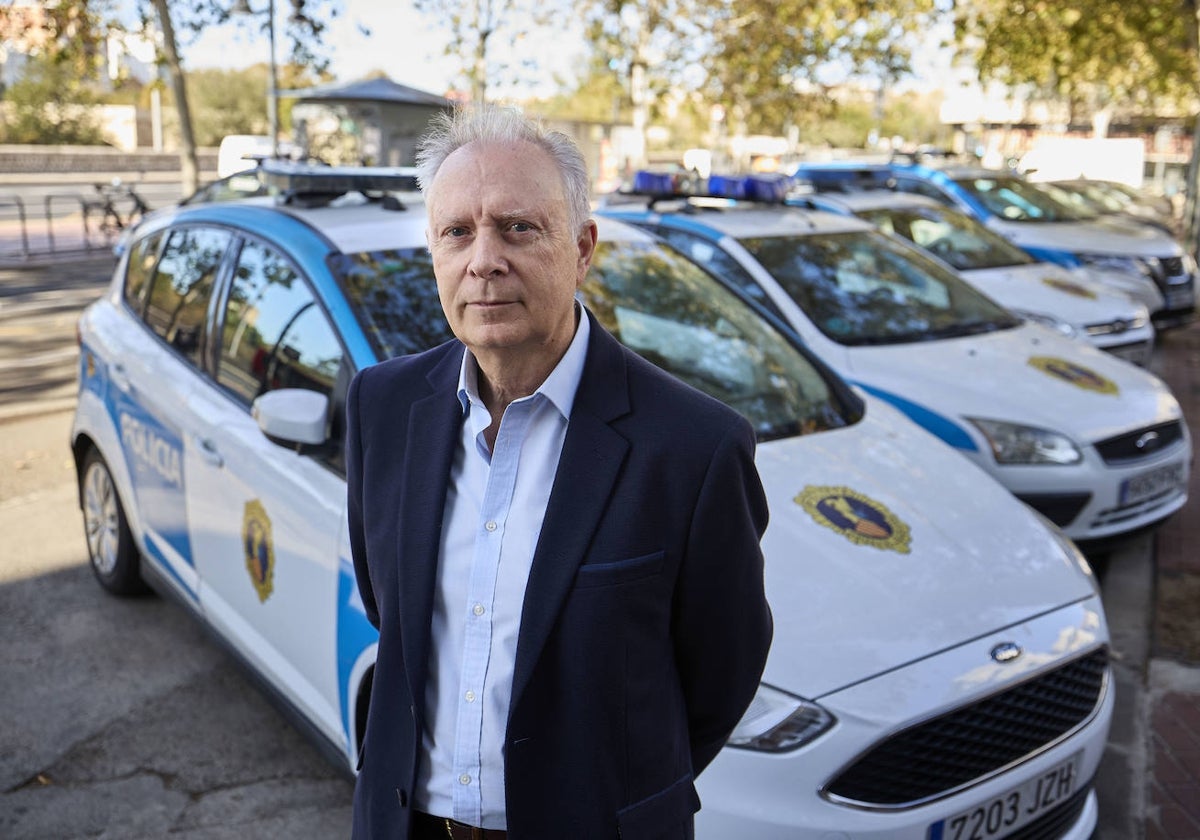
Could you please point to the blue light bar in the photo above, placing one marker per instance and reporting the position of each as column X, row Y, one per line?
column 765, row 188
column 646, row 182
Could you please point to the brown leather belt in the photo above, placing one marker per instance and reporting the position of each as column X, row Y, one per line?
column 429, row 827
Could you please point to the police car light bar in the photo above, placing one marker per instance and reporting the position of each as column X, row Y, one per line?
column 294, row 179
column 844, row 177
column 662, row 186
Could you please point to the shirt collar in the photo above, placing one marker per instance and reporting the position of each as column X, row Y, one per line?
column 559, row 387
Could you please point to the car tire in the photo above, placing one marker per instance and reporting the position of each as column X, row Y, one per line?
column 113, row 556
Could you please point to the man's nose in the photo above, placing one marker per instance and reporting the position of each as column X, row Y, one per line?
column 487, row 254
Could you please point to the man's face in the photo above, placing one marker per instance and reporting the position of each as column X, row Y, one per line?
column 506, row 259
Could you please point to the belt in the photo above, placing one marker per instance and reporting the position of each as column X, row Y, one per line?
column 429, row 827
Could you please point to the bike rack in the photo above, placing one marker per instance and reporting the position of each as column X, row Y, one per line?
column 49, row 204
column 59, row 212
column 15, row 201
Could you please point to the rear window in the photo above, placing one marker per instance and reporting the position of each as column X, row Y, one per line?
column 139, row 269
column 182, row 286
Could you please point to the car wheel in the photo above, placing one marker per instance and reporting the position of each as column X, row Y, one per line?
column 113, row 555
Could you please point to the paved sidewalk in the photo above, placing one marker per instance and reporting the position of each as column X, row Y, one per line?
column 1173, row 678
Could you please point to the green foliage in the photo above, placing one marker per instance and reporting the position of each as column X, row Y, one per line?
column 1141, row 55
column 49, row 106
column 770, row 55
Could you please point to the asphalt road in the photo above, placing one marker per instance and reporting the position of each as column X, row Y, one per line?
column 123, row 719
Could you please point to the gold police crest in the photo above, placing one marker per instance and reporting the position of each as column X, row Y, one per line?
column 855, row 516
column 1069, row 287
column 259, row 548
column 1077, row 375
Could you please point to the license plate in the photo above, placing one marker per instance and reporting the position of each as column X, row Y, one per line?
column 1151, row 483
column 1009, row 811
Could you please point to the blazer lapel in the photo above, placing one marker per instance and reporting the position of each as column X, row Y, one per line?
column 591, row 459
column 433, row 428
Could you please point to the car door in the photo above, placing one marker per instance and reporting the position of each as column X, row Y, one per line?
column 152, row 376
column 266, row 518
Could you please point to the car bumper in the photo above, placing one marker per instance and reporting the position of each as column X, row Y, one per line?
column 1097, row 500
column 766, row 796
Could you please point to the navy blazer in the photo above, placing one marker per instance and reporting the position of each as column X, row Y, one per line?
column 645, row 627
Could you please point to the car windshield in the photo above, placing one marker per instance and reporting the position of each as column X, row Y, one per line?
column 862, row 287
column 951, row 236
column 1016, row 200
column 655, row 302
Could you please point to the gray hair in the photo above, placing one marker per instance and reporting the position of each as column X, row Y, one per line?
column 493, row 124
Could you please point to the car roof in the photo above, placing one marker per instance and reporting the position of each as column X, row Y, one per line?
column 860, row 200
column 744, row 220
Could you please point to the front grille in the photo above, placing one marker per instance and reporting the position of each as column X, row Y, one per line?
column 1171, row 266
column 1055, row 822
column 1059, row 508
column 1141, row 443
column 942, row 755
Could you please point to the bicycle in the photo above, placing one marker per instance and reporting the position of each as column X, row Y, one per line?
column 113, row 195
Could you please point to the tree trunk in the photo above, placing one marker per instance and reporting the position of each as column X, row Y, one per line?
column 1191, row 212
column 189, row 171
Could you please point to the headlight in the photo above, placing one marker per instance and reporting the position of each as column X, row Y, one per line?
column 1014, row 444
column 1061, row 327
column 1189, row 263
column 777, row 721
column 1113, row 262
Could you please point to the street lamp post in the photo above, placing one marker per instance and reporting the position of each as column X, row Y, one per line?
column 242, row 7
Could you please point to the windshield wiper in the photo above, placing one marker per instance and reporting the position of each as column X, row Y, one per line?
column 975, row 327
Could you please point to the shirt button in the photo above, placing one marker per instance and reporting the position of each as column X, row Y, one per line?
column 464, row 779
column 477, row 609
column 470, row 695
column 491, row 526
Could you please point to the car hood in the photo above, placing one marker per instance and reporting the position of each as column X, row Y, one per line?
column 886, row 546
column 1028, row 375
column 1100, row 236
column 1048, row 288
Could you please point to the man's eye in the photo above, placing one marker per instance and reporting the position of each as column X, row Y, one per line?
column 521, row 227
column 456, row 231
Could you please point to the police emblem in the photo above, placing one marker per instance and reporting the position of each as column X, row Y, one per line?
column 259, row 548
column 1077, row 375
column 1069, row 288
column 857, row 517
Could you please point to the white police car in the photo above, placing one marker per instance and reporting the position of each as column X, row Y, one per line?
column 939, row 668
column 1032, row 219
column 1044, row 292
column 1140, row 261
column 1096, row 444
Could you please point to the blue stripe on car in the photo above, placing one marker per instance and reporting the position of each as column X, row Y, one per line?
column 945, row 428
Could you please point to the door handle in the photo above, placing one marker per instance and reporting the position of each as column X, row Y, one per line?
column 208, row 451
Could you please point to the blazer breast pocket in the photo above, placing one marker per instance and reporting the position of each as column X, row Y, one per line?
column 620, row 571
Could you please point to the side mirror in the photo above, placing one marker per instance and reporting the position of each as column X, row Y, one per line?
column 292, row 415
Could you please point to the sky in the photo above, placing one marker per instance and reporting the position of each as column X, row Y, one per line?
column 390, row 36
column 369, row 35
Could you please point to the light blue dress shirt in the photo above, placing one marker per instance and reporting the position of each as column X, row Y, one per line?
column 495, row 504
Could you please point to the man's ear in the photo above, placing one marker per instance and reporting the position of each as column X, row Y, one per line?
column 587, row 248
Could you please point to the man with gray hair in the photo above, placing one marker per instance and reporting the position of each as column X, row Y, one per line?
column 558, row 542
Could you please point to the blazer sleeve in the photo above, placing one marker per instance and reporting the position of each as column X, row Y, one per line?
column 354, row 497
column 722, row 620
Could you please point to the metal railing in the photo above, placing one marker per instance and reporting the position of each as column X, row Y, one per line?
column 70, row 222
